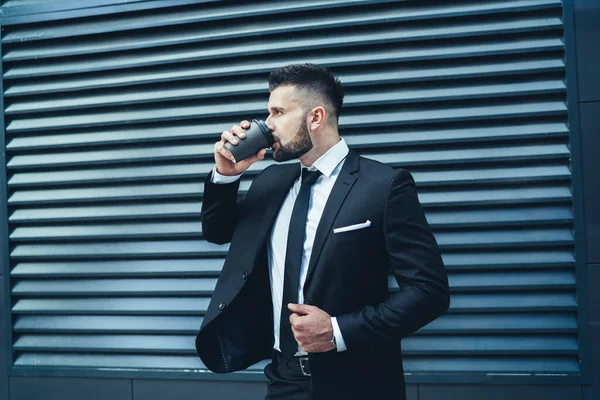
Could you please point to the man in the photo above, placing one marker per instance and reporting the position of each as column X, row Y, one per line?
column 305, row 282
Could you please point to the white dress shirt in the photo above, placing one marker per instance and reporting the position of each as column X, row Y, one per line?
column 330, row 165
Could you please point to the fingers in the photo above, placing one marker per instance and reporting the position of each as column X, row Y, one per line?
column 294, row 320
column 233, row 136
column 229, row 136
column 300, row 308
column 257, row 157
column 247, row 162
column 222, row 150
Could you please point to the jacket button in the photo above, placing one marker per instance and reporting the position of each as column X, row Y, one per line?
column 222, row 306
column 245, row 275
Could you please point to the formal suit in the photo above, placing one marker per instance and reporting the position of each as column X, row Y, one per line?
column 347, row 276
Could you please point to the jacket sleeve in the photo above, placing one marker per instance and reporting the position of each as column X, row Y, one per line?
column 220, row 210
column 417, row 266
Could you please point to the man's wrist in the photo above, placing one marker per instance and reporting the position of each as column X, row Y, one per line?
column 223, row 179
column 337, row 333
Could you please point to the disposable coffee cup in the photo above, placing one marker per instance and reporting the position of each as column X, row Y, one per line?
column 258, row 136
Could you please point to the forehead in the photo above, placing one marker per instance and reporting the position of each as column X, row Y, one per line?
column 284, row 96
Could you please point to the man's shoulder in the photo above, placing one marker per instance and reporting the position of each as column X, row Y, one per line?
column 276, row 169
column 375, row 168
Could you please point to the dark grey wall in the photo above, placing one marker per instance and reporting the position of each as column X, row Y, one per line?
column 587, row 32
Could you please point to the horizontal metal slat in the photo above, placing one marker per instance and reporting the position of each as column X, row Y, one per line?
column 101, row 250
column 520, row 323
column 448, row 69
column 112, row 212
column 413, row 94
column 176, row 191
column 122, row 231
column 139, row 362
column 108, row 324
column 490, row 345
column 156, row 344
column 509, row 238
column 515, row 280
column 464, row 156
column 106, row 269
column 495, row 196
column 524, row 366
column 117, row 136
column 513, row 259
column 521, row 217
column 116, row 287
column 175, row 17
column 521, row 302
column 113, row 306
column 456, row 114
column 538, row 173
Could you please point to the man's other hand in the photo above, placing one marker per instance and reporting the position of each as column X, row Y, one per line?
column 312, row 328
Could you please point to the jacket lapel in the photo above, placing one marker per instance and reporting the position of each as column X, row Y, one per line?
column 340, row 190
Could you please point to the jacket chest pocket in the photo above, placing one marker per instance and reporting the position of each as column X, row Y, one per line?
column 352, row 235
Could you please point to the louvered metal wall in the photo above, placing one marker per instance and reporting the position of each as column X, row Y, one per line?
column 110, row 124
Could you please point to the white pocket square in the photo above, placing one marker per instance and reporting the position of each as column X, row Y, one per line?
column 352, row 227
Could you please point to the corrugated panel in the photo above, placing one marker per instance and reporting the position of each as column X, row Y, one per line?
column 111, row 122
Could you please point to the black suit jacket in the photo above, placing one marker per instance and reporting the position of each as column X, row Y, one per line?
column 347, row 276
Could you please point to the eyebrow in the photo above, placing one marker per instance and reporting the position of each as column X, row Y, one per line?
column 275, row 108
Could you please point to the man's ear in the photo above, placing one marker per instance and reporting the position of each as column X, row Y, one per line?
column 317, row 118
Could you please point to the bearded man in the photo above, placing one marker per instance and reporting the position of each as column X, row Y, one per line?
column 305, row 281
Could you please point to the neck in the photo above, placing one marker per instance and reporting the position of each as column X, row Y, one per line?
column 320, row 147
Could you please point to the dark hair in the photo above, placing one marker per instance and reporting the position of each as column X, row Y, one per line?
column 312, row 78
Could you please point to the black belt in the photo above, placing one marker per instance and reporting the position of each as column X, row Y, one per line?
column 299, row 364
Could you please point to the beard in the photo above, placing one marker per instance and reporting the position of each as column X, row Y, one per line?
column 299, row 146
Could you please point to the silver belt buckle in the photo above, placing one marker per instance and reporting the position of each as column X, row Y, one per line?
column 301, row 360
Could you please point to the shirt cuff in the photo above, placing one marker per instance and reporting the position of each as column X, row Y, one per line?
column 339, row 339
column 222, row 179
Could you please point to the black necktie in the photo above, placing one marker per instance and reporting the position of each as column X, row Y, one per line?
column 293, row 260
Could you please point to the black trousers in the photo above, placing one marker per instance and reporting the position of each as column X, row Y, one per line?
column 286, row 380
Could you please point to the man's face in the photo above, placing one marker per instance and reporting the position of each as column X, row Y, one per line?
column 292, row 138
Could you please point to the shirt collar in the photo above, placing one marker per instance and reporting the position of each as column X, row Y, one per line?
column 331, row 159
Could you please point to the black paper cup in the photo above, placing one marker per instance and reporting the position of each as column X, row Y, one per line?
column 258, row 136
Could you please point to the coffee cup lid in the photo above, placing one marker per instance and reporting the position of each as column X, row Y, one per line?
column 265, row 130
